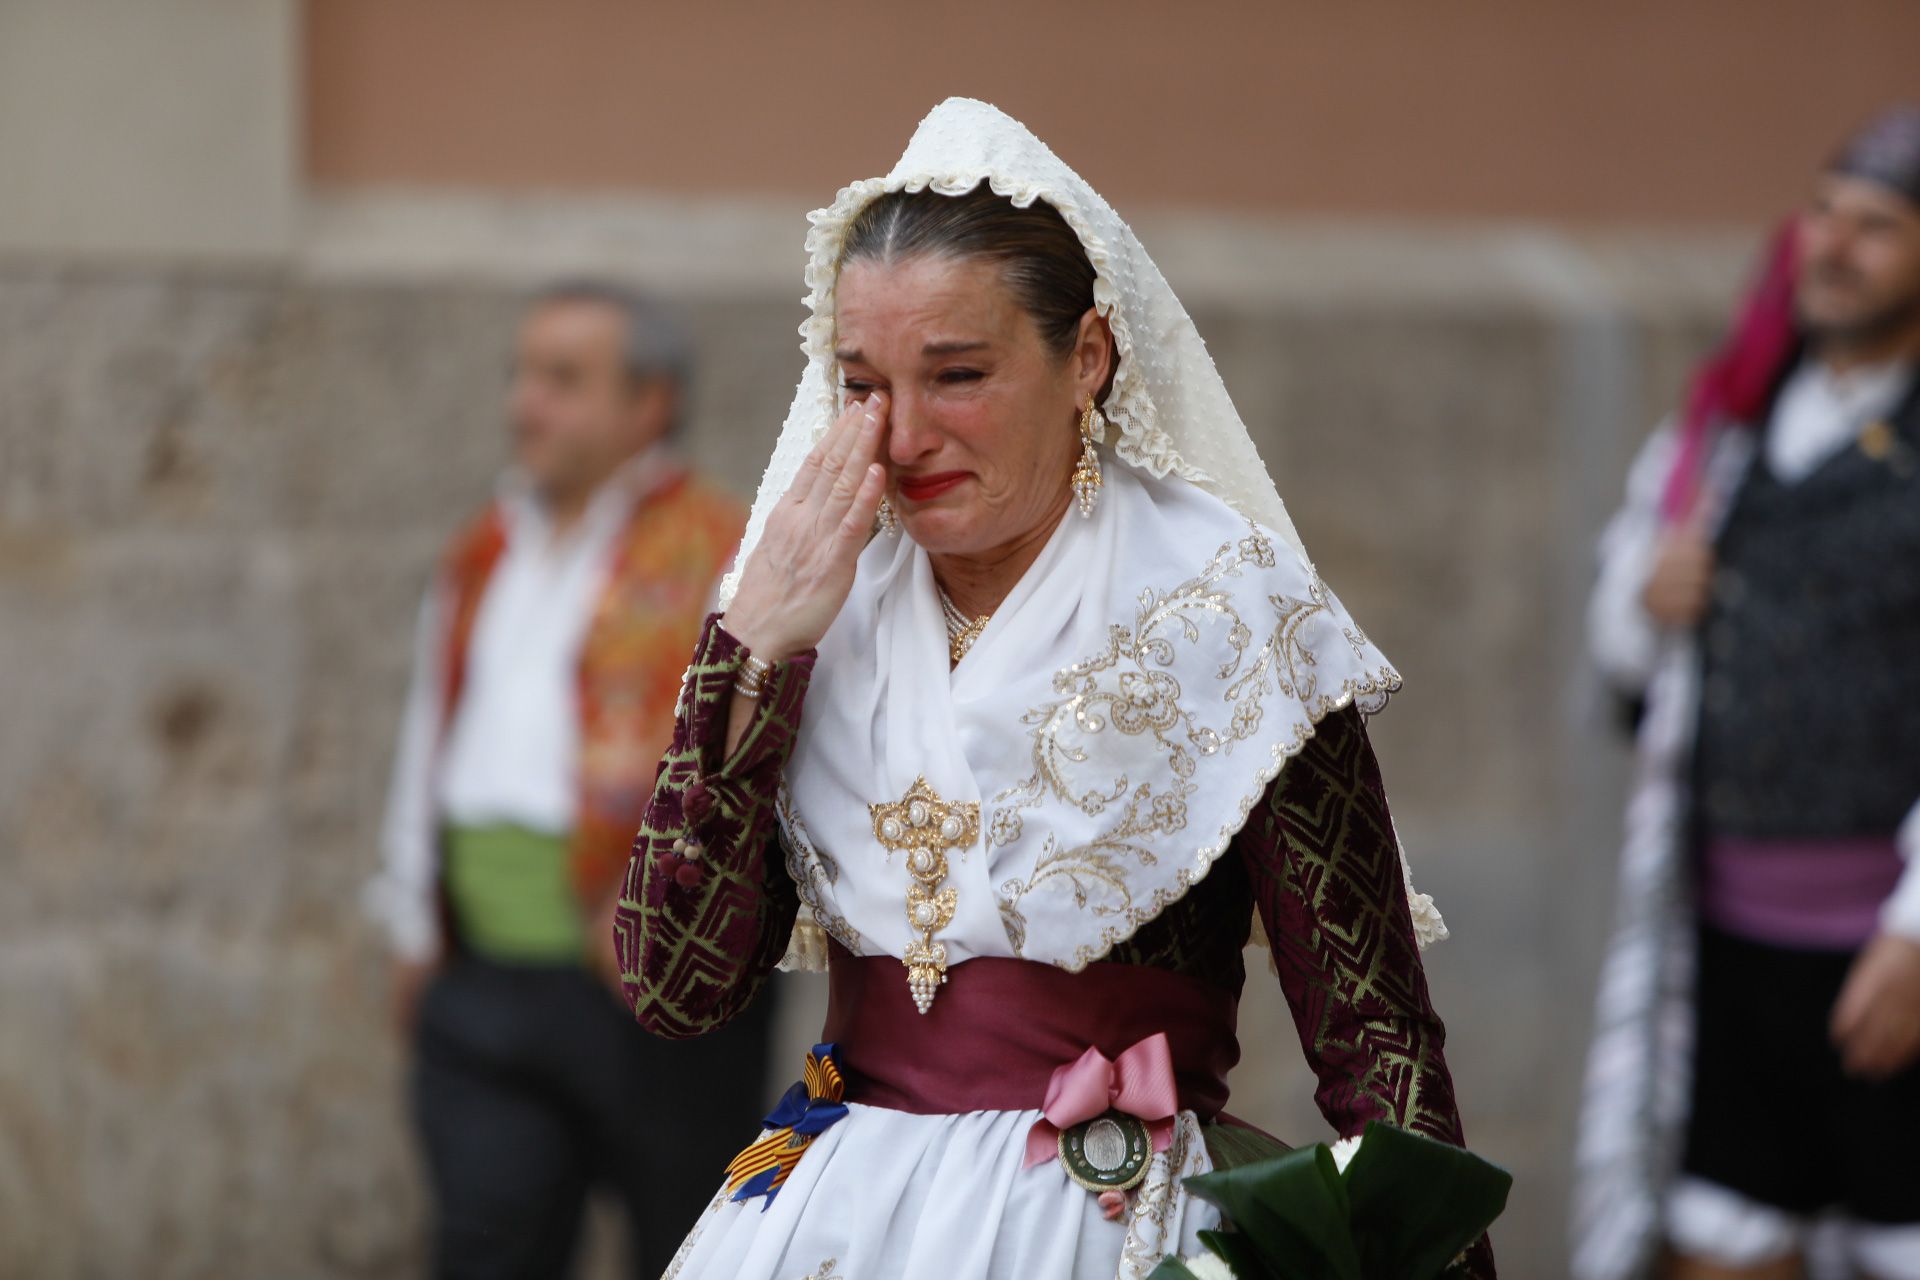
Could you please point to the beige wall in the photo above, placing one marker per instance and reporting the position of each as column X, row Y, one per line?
column 1629, row 111
column 150, row 127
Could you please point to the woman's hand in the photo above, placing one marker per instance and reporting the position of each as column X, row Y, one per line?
column 798, row 577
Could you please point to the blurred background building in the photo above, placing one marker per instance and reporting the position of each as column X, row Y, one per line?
column 259, row 263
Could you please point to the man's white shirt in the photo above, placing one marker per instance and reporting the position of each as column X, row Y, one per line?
column 510, row 755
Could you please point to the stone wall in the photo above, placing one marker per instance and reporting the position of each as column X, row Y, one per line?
column 219, row 495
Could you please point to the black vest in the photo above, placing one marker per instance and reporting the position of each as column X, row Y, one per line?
column 1810, row 698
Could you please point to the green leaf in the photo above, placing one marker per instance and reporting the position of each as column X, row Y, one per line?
column 1171, row 1269
column 1417, row 1202
column 1240, row 1255
column 1292, row 1210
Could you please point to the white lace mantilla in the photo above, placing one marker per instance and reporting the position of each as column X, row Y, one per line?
column 1169, row 411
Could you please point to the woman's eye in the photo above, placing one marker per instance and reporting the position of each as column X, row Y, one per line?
column 961, row 375
column 858, row 390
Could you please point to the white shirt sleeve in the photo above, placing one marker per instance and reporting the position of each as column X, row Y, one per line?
column 1623, row 638
column 1901, row 912
column 401, row 896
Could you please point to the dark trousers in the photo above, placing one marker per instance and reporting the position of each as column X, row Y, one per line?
column 534, row 1086
column 1774, row 1116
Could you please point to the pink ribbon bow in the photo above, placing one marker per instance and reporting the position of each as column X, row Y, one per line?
column 1139, row 1082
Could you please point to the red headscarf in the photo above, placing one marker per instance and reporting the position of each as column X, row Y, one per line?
column 1731, row 386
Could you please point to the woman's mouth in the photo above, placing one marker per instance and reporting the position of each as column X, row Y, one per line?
column 926, row 488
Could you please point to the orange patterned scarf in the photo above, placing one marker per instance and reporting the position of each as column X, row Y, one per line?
column 645, row 624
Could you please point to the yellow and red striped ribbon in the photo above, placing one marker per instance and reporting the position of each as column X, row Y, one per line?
column 806, row 1111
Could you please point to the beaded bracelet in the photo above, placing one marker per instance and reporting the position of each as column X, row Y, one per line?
column 751, row 680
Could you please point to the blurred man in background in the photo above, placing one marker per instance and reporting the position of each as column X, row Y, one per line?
column 1757, row 1064
column 548, row 660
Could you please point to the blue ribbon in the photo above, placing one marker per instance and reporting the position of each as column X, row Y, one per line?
column 806, row 1110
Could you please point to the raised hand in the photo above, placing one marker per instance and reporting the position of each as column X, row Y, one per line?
column 798, row 577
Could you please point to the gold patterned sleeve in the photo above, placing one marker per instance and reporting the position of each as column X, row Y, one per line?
column 1324, row 866
column 707, row 905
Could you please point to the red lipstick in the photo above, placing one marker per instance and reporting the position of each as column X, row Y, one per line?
column 926, row 488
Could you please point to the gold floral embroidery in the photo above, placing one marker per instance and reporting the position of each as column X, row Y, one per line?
column 927, row 828
column 1157, row 1226
column 1129, row 686
column 828, row 1270
column 814, row 872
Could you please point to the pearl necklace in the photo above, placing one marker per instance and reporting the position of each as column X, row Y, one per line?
column 962, row 631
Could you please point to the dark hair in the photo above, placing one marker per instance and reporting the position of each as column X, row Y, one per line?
column 1041, row 258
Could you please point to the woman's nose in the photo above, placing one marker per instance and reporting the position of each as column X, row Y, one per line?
column 910, row 436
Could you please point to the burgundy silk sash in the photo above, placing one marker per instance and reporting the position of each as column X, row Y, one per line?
column 999, row 1027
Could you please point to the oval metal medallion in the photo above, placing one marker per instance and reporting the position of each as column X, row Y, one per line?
column 1107, row 1153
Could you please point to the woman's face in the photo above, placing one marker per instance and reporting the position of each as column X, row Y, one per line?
column 982, row 416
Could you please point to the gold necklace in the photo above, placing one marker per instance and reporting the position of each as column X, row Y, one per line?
column 962, row 631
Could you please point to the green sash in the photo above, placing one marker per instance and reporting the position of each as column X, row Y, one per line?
column 513, row 897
